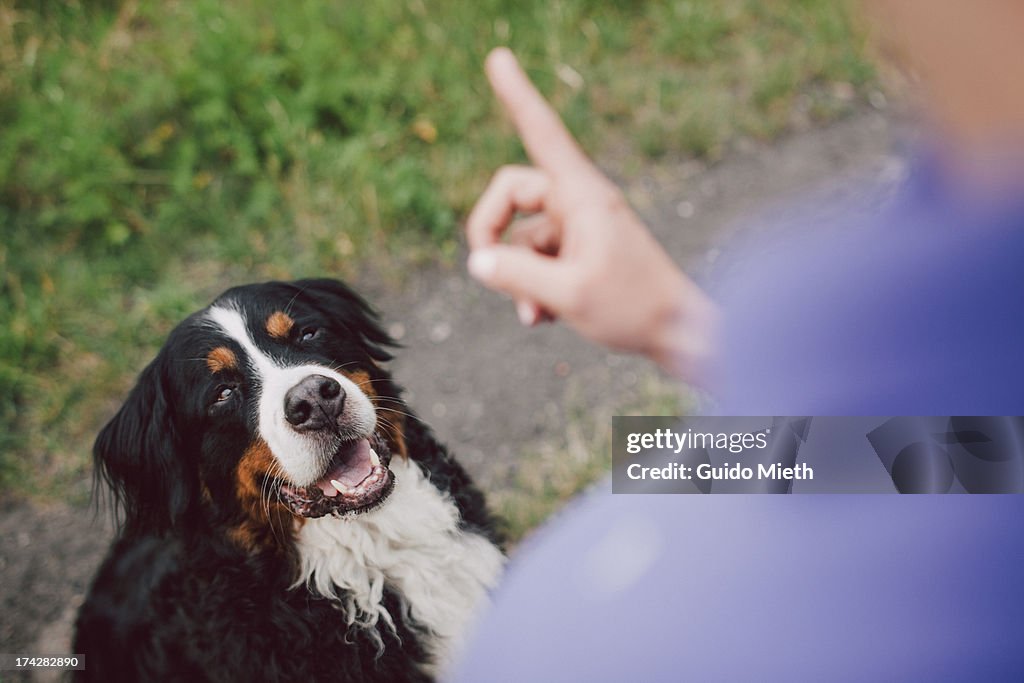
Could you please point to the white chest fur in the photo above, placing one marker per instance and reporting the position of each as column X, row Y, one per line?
column 412, row 544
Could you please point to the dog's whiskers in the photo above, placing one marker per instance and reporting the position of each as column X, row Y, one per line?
column 272, row 486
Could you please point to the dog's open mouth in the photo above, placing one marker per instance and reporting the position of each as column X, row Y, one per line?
column 356, row 480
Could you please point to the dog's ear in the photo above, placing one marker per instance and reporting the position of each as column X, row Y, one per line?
column 351, row 312
column 138, row 456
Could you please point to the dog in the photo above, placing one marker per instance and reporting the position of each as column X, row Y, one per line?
column 283, row 514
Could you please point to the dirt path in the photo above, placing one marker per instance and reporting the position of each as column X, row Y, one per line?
column 489, row 387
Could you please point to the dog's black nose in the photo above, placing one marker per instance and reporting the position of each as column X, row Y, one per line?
column 314, row 403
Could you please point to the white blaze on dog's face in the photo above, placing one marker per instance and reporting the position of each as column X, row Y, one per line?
column 302, row 453
column 302, row 376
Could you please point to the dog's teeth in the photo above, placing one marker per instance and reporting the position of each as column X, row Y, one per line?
column 331, row 494
column 374, row 458
column 341, row 487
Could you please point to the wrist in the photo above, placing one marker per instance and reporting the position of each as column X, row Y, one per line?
column 684, row 329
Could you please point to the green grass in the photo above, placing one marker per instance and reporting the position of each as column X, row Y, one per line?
column 151, row 153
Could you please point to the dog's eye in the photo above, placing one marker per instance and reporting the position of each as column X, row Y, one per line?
column 224, row 393
column 308, row 334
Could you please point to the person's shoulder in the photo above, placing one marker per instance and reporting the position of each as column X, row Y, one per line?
column 902, row 306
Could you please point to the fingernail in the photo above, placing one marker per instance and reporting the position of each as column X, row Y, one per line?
column 527, row 313
column 482, row 264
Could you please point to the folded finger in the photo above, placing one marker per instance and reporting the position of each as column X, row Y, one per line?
column 538, row 232
column 512, row 189
column 525, row 275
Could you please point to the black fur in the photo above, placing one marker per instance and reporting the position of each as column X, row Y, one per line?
column 176, row 597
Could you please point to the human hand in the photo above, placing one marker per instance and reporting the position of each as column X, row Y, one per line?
column 583, row 255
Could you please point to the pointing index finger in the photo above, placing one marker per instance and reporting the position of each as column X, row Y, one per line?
column 546, row 139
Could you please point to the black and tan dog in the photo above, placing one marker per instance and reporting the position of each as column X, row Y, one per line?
column 285, row 516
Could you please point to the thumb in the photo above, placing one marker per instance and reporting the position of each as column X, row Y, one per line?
column 523, row 274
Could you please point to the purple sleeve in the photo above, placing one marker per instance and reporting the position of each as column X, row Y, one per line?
column 762, row 588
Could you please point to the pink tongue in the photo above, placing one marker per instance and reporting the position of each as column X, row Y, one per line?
column 354, row 466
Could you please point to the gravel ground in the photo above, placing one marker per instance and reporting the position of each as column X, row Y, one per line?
column 489, row 387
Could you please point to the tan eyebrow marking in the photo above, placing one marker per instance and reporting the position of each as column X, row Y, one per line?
column 221, row 358
column 279, row 325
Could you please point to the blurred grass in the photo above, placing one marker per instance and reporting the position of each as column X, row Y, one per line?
column 152, row 153
column 543, row 479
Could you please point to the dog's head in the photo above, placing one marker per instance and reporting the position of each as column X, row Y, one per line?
column 268, row 406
